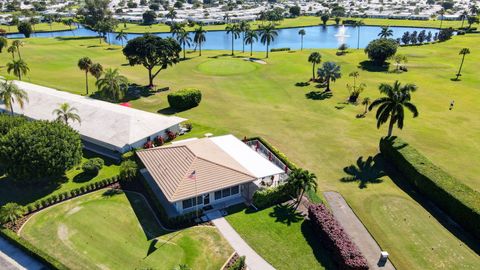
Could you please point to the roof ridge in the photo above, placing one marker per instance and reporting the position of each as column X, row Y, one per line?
column 188, row 170
column 224, row 166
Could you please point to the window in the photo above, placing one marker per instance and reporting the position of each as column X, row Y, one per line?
column 218, row 195
column 225, row 192
column 187, row 203
column 235, row 190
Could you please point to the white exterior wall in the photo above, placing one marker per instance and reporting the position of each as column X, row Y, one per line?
column 140, row 143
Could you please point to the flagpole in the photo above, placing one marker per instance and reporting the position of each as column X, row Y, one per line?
column 196, row 197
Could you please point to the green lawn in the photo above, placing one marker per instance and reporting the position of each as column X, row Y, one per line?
column 105, row 231
column 41, row 27
column 321, row 135
column 282, row 238
column 291, row 22
column 74, row 178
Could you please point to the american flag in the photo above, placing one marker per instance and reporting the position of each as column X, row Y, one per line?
column 193, row 176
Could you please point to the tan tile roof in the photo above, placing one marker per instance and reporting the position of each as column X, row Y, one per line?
column 171, row 166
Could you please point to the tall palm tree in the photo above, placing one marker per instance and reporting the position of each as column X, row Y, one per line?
column 234, row 30
column 84, row 64
column 10, row 93
column 176, row 28
column 244, row 28
column 172, row 14
column 301, row 33
column 315, row 58
column 441, row 13
column 12, row 49
column 250, row 38
column 358, row 25
column 3, row 43
column 464, row 16
column 199, row 38
column 69, row 22
column 121, row 36
column 385, row 32
column 463, row 52
column 366, row 102
column 268, row 33
column 96, row 70
column 19, row 68
column 184, row 39
column 66, row 113
column 392, row 105
column 301, row 181
column 330, row 71
column 17, row 44
column 113, row 85
column 11, row 212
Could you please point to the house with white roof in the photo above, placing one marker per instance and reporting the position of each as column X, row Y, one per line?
column 206, row 173
column 106, row 128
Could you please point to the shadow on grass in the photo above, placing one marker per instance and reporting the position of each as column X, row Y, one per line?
column 23, row 194
column 171, row 111
column 83, row 177
column 365, row 172
column 302, row 84
column 321, row 254
column 285, row 214
column 319, row 95
column 372, row 67
column 438, row 214
column 145, row 216
column 75, row 38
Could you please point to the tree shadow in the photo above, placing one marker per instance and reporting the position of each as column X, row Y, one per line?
column 286, row 214
column 302, row 84
column 23, row 194
column 170, row 111
column 365, row 172
column 319, row 95
column 83, row 177
column 67, row 38
column 322, row 255
column 145, row 216
column 219, row 55
column 112, row 192
column 372, row 67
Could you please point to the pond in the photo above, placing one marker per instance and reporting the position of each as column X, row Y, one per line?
column 316, row 37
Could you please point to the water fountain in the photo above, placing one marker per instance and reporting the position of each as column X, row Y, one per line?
column 341, row 36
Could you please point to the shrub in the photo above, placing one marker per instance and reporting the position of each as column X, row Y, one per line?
column 335, row 239
column 184, row 99
column 379, row 50
column 10, row 212
column 445, row 34
column 52, row 147
column 275, row 151
column 264, row 198
column 458, row 200
column 128, row 155
column 93, row 166
column 128, row 170
column 8, row 122
column 25, row 28
column 239, row 264
column 280, row 49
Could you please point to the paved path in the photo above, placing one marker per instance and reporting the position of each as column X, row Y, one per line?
column 252, row 259
column 12, row 258
column 354, row 227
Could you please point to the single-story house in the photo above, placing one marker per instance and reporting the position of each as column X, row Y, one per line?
column 106, row 128
column 206, row 173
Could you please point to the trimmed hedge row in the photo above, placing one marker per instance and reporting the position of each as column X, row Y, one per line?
column 280, row 50
column 458, row 200
column 335, row 239
column 264, row 198
column 185, row 98
column 31, row 250
column 276, row 152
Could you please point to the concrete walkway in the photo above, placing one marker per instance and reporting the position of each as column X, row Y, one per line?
column 12, row 258
column 252, row 259
column 354, row 227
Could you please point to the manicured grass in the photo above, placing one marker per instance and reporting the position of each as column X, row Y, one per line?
column 323, row 136
column 281, row 237
column 102, row 231
column 41, row 27
column 74, row 178
column 292, row 22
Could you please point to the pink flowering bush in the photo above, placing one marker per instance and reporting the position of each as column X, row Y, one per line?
column 335, row 239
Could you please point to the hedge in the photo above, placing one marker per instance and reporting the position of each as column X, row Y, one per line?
column 276, row 152
column 458, row 200
column 184, row 99
column 31, row 250
column 280, row 50
column 264, row 198
column 335, row 239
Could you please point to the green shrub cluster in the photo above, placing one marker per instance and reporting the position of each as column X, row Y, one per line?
column 31, row 250
column 280, row 49
column 264, row 198
column 7, row 122
column 458, row 200
column 130, row 155
column 185, row 98
column 93, row 166
column 238, row 264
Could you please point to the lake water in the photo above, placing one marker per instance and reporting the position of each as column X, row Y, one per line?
column 316, row 37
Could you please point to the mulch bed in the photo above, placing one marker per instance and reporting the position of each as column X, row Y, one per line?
column 232, row 261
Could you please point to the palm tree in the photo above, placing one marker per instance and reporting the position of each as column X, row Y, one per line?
column 441, row 13
column 11, row 212
column 268, row 33
column 235, row 30
column 19, row 68
column 399, row 58
column 329, row 72
column 176, row 28
column 314, row 58
column 392, row 106
column 121, row 36
column 96, row 70
column 10, row 93
column 84, row 64
column 3, row 43
column 113, row 85
column 199, row 38
column 301, row 33
column 12, row 49
column 66, row 112
column 385, row 32
column 244, row 28
column 463, row 52
column 17, row 44
column 464, row 16
column 172, row 14
column 358, row 25
column 69, row 22
column 250, row 38
column 184, row 39
column 365, row 102
column 300, row 181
